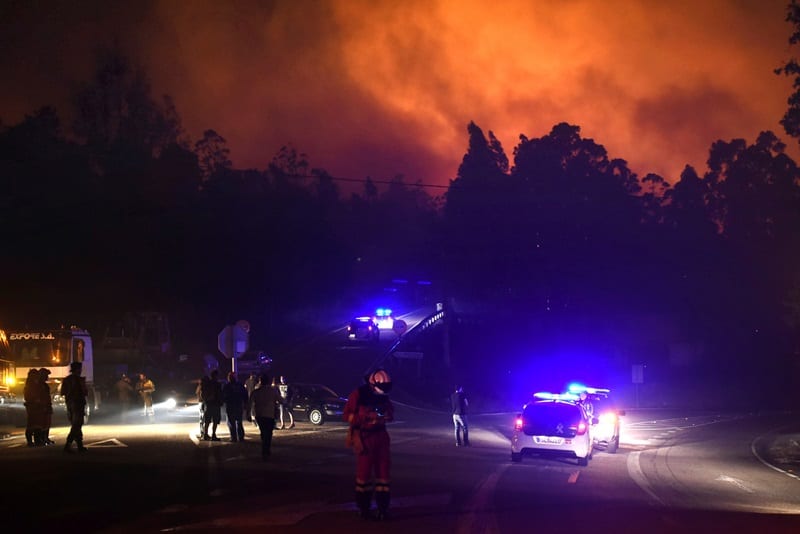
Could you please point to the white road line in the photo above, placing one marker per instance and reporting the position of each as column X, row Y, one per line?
column 736, row 482
column 636, row 473
column 763, row 461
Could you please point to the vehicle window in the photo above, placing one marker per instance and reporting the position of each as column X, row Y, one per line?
column 550, row 419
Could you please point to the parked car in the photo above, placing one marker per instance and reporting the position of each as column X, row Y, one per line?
column 552, row 425
column 317, row 402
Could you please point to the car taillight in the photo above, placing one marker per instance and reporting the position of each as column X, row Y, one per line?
column 518, row 423
column 608, row 418
column 581, row 428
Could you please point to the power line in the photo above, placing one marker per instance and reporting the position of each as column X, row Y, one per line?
column 365, row 180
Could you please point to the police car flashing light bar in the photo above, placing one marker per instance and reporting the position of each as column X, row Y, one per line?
column 577, row 389
column 544, row 395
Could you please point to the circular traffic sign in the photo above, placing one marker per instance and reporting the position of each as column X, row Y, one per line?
column 400, row 327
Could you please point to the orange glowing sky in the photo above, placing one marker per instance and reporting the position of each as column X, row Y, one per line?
column 379, row 88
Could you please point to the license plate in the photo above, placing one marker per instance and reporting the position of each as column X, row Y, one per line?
column 548, row 440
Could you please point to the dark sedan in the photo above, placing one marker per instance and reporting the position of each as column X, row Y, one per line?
column 318, row 402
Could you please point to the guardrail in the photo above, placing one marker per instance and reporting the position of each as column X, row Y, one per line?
column 412, row 333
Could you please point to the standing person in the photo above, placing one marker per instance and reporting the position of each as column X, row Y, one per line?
column 124, row 395
column 145, row 388
column 211, row 393
column 74, row 391
column 285, row 403
column 367, row 411
column 234, row 395
column 47, row 406
column 263, row 402
column 250, row 386
column 202, row 386
column 459, row 403
column 34, row 410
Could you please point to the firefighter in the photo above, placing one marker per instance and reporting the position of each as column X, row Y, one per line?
column 367, row 411
column 74, row 391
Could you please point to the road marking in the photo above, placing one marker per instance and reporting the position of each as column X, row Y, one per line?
column 636, row 473
column 573, row 477
column 113, row 442
column 736, row 482
column 763, row 461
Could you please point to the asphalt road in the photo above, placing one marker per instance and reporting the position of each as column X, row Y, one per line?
column 673, row 473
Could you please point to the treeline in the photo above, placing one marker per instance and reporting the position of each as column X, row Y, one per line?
column 119, row 210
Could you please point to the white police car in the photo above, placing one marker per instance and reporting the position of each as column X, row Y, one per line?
column 384, row 318
column 603, row 414
column 552, row 424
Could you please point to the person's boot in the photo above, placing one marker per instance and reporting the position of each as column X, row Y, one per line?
column 81, row 448
column 67, row 446
column 29, row 437
column 364, row 502
column 38, row 438
column 382, row 499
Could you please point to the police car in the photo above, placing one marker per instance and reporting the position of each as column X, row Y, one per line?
column 384, row 318
column 363, row 329
column 553, row 424
column 603, row 413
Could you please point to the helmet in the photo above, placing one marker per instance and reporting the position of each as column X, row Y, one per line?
column 380, row 381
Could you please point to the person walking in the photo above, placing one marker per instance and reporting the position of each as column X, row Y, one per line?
column 367, row 411
column 234, row 395
column 125, row 393
column 74, row 392
column 145, row 388
column 263, row 403
column 459, row 403
column 211, row 397
column 285, row 403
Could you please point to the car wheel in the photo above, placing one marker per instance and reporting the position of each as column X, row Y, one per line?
column 613, row 445
column 316, row 416
column 516, row 457
column 583, row 462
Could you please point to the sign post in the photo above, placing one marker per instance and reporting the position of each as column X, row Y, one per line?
column 234, row 340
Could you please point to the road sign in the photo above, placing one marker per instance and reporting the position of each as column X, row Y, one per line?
column 241, row 339
column 233, row 340
column 637, row 374
column 225, row 341
column 400, row 327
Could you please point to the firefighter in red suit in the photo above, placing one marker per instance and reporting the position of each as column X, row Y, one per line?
column 368, row 409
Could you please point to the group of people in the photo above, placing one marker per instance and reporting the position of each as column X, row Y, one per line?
column 367, row 411
column 237, row 398
column 38, row 408
column 126, row 391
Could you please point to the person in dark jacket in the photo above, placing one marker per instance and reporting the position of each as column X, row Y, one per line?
column 47, row 406
column 234, row 395
column 34, row 409
column 211, row 397
column 74, row 391
column 125, row 394
column 459, row 403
